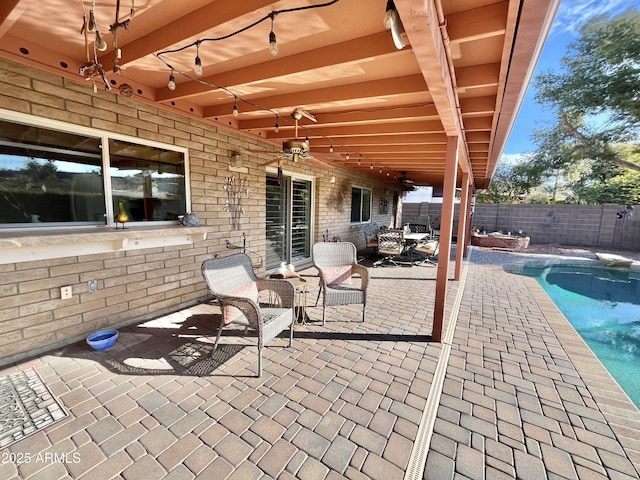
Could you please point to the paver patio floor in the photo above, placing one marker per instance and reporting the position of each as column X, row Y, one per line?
column 521, row 397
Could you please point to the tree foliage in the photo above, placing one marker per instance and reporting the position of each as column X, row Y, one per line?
column 596, row 99
column 510, row 184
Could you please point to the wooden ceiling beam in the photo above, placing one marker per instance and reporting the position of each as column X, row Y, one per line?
column 354, row 50
column 478, row 76
column 478, row 137
column 412, row 112
column 477, row 124
column 377, row 149
column 184, row 28
column 426, row 126
column 479, row 23
column 435, row 61
column 478, row 105
column 10, row 11
column 375, row 89
column 396, row 156
column 409, row 139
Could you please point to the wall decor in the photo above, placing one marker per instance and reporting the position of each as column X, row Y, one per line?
column 235, row 188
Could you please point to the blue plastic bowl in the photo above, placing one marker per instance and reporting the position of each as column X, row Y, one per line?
column 103, row 339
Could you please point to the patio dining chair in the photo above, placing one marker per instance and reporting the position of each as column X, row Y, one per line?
column 429, row 249
column 418, row 228
column 370, row 231
column 336, row 263
column 390, row 245
column 233, row 282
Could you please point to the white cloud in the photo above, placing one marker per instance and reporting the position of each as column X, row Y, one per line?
column 572, row 14
column 513, row 158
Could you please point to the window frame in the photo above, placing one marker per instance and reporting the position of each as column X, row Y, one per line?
column 362, row 190
column 104, row 136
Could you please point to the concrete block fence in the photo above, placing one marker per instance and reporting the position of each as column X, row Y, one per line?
column 580, row 225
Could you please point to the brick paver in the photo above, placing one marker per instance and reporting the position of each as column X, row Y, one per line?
column 346, row 400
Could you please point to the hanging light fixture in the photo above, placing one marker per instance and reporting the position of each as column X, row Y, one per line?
column 172, row 81
column 392, row 22
column 331, row 147
column 235, row 106
column 273, row 44
column 91, row 24
column 370, row 164
column 198, row 63
column 100, row 44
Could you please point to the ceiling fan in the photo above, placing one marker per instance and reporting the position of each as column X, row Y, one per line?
column 408, row 185
column 297, row 150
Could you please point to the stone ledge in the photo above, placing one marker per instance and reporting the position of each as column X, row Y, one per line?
column 21, row 247
column 500, row 241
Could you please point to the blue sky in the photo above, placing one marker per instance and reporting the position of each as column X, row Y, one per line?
column 571, row 15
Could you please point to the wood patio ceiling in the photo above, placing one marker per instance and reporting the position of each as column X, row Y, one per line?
column 463, row 70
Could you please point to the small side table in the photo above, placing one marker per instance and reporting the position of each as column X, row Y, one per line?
column 300, row 284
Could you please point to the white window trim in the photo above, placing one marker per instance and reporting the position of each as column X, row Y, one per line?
column 361, row 222
column 105, row 136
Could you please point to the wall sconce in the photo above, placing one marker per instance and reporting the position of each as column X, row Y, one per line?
column 332, row 180
column 236, row 159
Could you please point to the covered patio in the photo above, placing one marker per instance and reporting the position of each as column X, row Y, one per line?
column 347, row 104
column 511, row 392
column 205, row 107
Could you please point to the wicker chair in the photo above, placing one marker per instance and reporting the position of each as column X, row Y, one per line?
column 232, row 281
column 336, row 263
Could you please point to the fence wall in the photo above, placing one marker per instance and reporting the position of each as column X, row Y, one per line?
column 581, row 225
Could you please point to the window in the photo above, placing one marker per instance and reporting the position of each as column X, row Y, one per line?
column 360, row 205
column 148, row 180
column 51, row 177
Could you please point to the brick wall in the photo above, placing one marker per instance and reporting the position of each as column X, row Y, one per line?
column 581, row 225
column 140, row 284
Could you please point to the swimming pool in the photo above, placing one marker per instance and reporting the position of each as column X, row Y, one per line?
column 603, row 305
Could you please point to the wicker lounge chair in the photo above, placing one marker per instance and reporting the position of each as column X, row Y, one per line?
column 232, row 281
column 336, row 263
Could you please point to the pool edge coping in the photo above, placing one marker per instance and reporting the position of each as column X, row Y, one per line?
column 617, row 407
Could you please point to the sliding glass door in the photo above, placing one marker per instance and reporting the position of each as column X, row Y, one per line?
column 288, row 222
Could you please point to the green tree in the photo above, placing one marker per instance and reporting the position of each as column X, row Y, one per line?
column 595, row 97
column 510, row 184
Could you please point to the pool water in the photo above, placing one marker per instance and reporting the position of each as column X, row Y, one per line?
column 603, row 305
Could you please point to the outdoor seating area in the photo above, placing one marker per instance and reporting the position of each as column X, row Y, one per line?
column 347, row 399
column 232, row 281
column 415, row 243
column 141, row 155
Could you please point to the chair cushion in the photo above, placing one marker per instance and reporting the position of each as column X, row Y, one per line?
column 428, row 247
column 250, row 291
column 337, row 275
